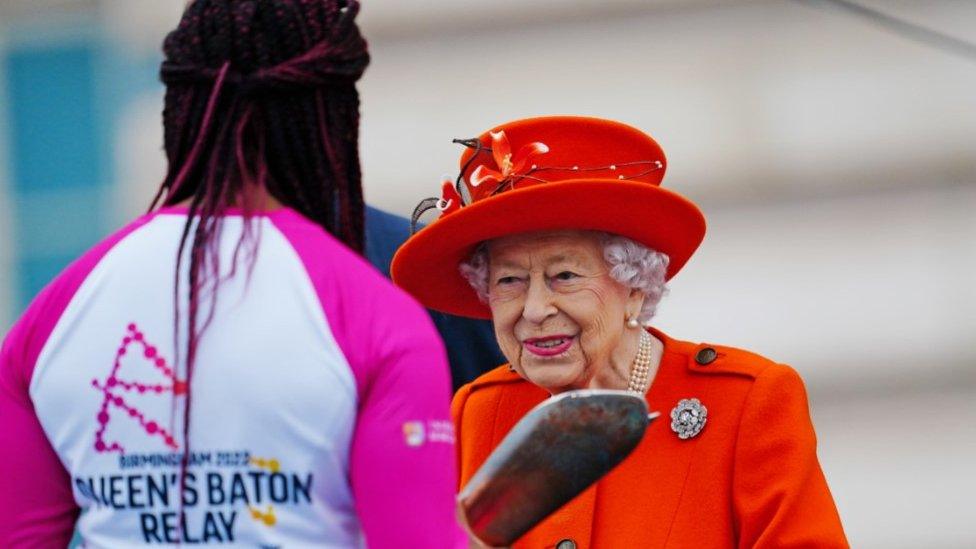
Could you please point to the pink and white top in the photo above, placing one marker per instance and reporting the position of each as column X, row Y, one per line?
column 319, row 411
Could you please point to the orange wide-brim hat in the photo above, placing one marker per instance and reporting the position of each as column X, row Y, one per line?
column 543, row 174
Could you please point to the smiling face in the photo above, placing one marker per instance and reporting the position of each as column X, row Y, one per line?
column 559, row 317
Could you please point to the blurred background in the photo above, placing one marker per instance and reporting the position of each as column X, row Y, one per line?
column 834, row 155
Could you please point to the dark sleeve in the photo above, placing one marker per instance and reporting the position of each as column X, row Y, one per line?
column 472, row 348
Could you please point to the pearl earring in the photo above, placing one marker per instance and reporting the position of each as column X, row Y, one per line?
column 632, row 322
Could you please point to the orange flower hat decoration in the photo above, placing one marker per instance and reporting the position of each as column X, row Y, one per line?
column 508, row 166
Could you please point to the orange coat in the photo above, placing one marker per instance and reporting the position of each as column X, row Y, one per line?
column 749, row 479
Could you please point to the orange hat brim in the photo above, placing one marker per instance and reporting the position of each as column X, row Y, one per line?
column 426, row 265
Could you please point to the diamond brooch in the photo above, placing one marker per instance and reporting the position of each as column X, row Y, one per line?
column 688, row 418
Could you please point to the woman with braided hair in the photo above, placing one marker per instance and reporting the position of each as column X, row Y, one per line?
column 227, row 369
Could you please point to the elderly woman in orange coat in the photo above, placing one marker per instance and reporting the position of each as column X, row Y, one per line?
column 559, row 231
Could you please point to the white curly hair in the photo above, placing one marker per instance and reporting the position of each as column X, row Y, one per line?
column 634, row 265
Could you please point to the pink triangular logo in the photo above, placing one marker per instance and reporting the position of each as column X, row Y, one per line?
column 118, row 391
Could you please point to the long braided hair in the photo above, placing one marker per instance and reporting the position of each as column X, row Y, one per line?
column 260, row 98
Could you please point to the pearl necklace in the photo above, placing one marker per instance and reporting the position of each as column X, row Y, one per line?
column 642, row 366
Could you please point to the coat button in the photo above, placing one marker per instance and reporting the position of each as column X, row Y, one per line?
column 706, row 356
column 566, row 544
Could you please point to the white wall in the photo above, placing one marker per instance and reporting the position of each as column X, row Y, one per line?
column 856, row 291
column 749, row 101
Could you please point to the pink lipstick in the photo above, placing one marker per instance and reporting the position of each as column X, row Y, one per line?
column 549, row 345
